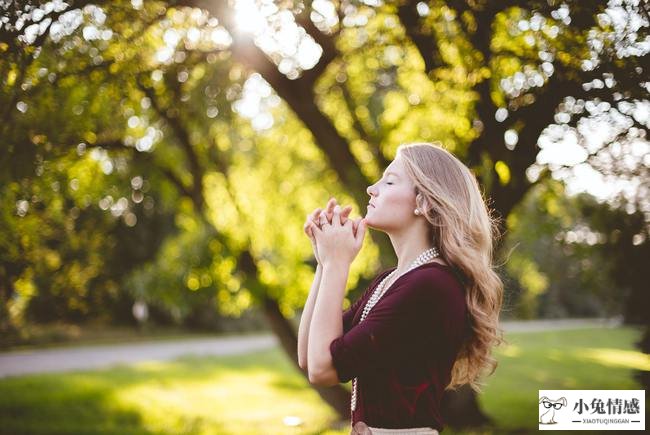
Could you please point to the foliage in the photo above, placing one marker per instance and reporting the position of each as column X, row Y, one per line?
column 560, row 262
column 157, row 151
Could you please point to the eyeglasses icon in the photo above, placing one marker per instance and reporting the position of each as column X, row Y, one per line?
column 554, row 405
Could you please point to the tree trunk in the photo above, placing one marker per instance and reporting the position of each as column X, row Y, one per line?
column 8, row 330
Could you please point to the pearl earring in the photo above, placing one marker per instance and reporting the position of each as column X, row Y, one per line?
column 417, row 211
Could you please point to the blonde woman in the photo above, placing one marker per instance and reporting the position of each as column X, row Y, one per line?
column 423, row 327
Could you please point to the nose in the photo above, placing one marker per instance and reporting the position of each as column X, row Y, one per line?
column 369, row 190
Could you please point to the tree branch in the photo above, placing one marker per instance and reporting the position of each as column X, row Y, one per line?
column 424, row 39
column 195, row 168
column 298, row 94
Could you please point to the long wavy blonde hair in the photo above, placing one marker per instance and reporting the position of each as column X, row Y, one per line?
column 463, row 228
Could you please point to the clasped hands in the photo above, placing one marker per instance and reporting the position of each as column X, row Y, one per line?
column 335, row 237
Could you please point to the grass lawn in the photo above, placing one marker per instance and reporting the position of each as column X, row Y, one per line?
column 254, row 393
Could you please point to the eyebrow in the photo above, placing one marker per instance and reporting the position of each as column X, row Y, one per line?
column 391, row 173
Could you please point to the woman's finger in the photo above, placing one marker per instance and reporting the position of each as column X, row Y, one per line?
column 322, row 220
column 315, row 217
column 355, row 225
column 311, row 218
column 329, row 211
column 345, row 212
column 315, row 213
column 336, row 215
column 319, row 229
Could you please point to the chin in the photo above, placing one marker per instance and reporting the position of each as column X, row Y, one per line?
column 371, row 224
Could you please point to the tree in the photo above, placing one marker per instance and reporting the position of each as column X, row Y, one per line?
column 486, row 78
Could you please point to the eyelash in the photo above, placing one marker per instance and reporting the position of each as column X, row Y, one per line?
column 388, row 182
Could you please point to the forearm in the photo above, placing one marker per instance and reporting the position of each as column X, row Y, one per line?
column 305, row 318
column 327, row 318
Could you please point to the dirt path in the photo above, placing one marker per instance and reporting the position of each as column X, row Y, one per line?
column 90, row 357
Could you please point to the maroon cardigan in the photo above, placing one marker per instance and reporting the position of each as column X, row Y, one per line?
column 403, row 352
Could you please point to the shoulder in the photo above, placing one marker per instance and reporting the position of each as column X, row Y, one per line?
column 438, row 291
column 433, row 282
column 430, row 273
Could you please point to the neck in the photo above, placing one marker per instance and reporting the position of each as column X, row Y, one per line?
column 408, row 247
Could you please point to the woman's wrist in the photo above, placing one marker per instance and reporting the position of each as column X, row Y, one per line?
column 335, row 264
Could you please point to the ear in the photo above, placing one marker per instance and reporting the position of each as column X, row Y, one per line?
column 421, row 201
column 543, row 399
column 563, row 401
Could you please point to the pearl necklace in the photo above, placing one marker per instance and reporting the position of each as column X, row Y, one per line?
column 423, row 258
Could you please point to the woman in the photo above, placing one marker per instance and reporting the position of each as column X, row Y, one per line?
column 423, row 327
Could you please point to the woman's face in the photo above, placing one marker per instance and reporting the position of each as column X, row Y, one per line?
column 392, row 199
